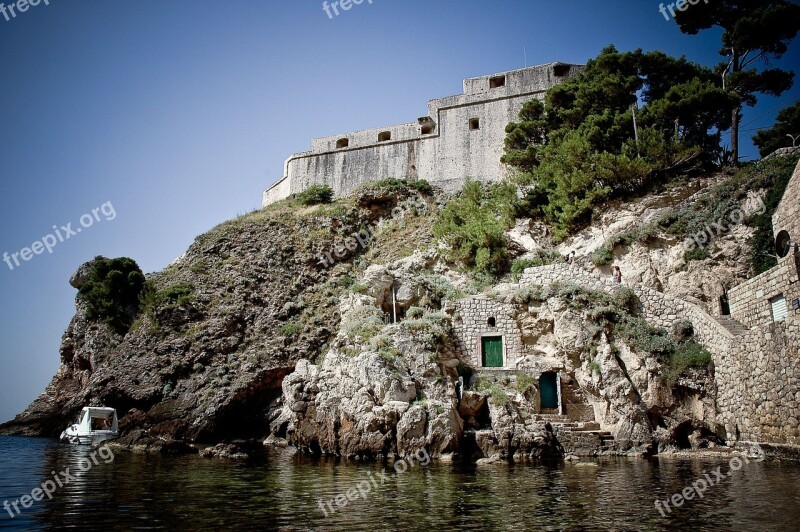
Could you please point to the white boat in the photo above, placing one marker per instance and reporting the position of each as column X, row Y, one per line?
column 95, row 425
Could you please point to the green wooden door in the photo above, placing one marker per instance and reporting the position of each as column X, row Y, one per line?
column 548, row 390
column 492, row 348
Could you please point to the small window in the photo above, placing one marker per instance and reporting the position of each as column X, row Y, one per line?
column 427, row 129
column 385, row 136
column 474, row 124
column 561, row 70
column 779, row 308
column 342, row 143
column 497, row 82
column 492, row 322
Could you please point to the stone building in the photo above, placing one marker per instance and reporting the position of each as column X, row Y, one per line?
column 461, row 136
column 774, row 295
column 759, row 379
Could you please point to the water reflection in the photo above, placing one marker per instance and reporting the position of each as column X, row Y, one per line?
column 284, row 489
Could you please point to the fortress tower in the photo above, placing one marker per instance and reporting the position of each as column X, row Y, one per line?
column 462, row 136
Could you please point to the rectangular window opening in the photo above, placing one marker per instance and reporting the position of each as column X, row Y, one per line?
column 342, row 143
column 497, row 82
column 779, row 309
column 385, row 136
column 474, row 124
column 561, row 70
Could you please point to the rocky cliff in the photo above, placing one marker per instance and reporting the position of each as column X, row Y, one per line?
column 286, row 330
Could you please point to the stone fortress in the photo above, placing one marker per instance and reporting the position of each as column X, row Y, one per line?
column 461, row 137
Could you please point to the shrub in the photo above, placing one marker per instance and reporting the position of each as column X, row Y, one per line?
column 688, row 354
column 291, row 328
column 363, row 324
column 415, row 312
column 496, row 393
column 696, row 253
column 473, row 226
column 774, row 175
column 112, row 290
column 643, row 337
column 315, row 195
column 523, row 382
column 440, row 287
column 176, row 295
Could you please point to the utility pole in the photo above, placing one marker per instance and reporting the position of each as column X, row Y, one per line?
column 634, row 107
column 394, row 302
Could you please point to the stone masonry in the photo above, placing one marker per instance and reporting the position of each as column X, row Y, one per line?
column 757, row 373
column 462, row 136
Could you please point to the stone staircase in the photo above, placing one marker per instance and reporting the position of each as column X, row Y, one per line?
column 580, row 438
column 733, row 326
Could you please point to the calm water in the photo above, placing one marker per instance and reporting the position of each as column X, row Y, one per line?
column 283, row 490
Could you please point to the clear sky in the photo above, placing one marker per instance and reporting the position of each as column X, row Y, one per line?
column 176, row 115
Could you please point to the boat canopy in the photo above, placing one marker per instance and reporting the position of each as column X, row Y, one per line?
column 98, row 418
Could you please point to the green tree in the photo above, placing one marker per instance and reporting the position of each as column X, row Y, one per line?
column 787, row 124
column 753, row 31
column 111, row 291
column 579, row 148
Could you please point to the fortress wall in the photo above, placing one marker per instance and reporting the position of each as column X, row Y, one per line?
column 758, row 385
column 787, row 215
column 445, row 158
column 750, row 301
column 455, row 149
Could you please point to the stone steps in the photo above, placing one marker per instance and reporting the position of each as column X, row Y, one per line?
column 732, row 326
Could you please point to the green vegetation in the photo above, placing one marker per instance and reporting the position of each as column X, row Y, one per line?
column 717, row 204
column 752, row 33
column 773, row 175
column 111, row 292
column 688, row 354
column 787, row 124
column 316, row 195
column 363, row 324
column 582, row 152
column 173, row 296
column 541, row 257
column 291, row 328
column 695, row 254
column 614, row 314
column 496, row 392
column 523, row 382
column 393, row 185
column 473, row 226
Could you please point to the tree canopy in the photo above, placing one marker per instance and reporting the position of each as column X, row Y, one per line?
column 754, row 31
column 579, row 147
column 111, row 291
column 787, row 124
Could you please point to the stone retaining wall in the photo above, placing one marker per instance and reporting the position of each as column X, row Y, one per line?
column 758, row 385
column 750, row 301
column 658, row 309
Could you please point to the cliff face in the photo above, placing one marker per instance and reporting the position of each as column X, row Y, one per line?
column 285, row 334
column 211, row 366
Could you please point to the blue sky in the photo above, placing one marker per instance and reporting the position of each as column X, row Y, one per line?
column 180, row 113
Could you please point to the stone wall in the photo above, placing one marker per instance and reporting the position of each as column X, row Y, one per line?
column 471, row 323
column 658, row 309
column 462, row 136
column 787, row 215
column 758, row 392
column 750, row 301
column 757, row 375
